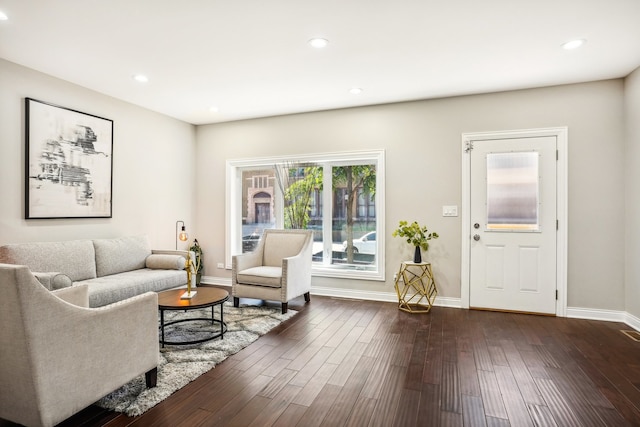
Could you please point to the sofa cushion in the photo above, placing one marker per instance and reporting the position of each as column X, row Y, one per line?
column 165, row 261
column 282, row 245
column 261, row 276
column 121, row 254
column 117, row 287
column 74, row 258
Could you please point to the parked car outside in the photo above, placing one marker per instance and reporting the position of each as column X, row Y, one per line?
column 250, row 242
column 364, row 245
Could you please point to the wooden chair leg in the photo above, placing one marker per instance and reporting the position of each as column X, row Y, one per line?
column 151, row 377
column 285, row 307
column 236, row 301
column 307, row 296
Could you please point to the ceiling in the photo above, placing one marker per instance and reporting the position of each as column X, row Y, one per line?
column 250, row 58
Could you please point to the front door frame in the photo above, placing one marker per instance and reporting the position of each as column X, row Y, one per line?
column 561, row 134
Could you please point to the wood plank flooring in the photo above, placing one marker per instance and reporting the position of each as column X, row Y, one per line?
column 362, row 363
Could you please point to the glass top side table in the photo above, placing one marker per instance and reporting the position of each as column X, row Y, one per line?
column 415, row 287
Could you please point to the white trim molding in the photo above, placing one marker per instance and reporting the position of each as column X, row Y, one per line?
column 632, row 321
column 213, row 280
column 596, row 314
column 604, row 315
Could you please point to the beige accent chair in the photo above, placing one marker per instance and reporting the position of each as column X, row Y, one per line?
column 279, row 269
column 57, row 356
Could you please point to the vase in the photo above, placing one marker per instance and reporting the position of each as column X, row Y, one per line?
column 417, row 256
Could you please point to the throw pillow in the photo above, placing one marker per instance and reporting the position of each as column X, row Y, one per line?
column 166, row 262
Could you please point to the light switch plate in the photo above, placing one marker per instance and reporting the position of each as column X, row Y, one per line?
column 450, row 211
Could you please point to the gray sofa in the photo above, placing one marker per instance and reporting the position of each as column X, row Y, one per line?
column 113, row 269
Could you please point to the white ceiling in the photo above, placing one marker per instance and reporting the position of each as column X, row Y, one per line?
column 250, row 58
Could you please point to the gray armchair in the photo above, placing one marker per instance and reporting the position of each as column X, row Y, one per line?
column 58, row 356
column 279, row 269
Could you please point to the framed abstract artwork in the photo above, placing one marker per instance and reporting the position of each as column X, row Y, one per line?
column 69, row 163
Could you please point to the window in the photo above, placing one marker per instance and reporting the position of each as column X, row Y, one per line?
column 513, row 191
column 261, row 181
column 339, row 196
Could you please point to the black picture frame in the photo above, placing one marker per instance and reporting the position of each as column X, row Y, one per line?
column 69, row 163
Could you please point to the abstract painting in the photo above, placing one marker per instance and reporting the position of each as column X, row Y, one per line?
column 69, row 163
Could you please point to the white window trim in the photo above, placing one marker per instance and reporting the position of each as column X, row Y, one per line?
column 233, row 220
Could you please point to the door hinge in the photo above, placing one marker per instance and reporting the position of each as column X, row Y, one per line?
column 557, row 154
column 557, row 224
column 468, row 146
column 556, row 295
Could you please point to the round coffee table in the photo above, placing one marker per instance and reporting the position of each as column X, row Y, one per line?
column 204, row 297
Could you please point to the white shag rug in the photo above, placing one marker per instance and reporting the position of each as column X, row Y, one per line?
column 179, row 365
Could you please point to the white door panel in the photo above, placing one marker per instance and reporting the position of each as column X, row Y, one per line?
column 513, row 224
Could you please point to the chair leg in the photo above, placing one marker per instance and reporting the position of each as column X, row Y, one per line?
column 307, row 296
column 236, row 301
column 151, row 377
column 285, row 307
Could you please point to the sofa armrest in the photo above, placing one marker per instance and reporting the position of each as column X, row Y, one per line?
column 76, row 295
column 53, row 280
column 247, row 260
column 296, row 272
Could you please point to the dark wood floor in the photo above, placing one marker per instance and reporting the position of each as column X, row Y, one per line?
column 358, row 363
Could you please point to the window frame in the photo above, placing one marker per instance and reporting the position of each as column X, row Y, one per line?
column 233, row 206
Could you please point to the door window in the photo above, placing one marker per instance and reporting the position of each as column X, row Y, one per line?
column 513, row 191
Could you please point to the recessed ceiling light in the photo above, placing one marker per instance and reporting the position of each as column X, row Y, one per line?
column 214, row 110
column 141, row 78
column 318, row 43
column 356, row 90
column 573, row 44
column 3, row 16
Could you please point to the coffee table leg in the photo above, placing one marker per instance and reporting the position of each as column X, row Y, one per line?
column 162, row 325
column 222, row 321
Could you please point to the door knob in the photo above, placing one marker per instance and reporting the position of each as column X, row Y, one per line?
column 476, row 237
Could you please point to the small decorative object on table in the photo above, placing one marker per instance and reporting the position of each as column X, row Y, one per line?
column 191, row 267
column 197, row 249
column 415, row 235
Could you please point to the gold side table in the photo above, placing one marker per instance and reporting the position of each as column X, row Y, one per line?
column 415, row 287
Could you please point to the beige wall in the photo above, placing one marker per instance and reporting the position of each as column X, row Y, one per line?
column 632, row 167
column 423, row 161
column 153, row 159
column 155, row 182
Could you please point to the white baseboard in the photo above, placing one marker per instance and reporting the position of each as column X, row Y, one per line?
column 604, row 315
column 573, row 312
column 346, row 293
column 377, row 296
column 596, row 314
column 213, row 280
column 633, row 321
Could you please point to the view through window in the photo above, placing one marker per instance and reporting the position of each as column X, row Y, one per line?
column 336, row 198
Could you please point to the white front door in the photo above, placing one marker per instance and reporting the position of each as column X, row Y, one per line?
column 512, row 261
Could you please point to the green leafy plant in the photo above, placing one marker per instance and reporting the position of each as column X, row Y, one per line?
column 195, row 247
column 415, row 234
